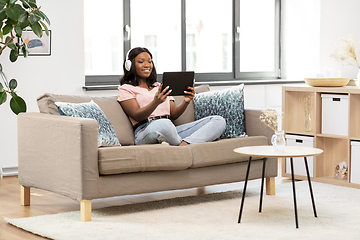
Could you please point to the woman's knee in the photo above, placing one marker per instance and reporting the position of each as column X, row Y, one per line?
column 160, row 125
column 164, row 130
column 220, row 121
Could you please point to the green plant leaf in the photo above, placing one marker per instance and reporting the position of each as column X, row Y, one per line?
column 45, row 28
column 13, row 13
column 25, row 24
column 43, row 16
column 25, row 4
column 10, row 22
column 3, row 97
column 13, row 55
column 13, row 84
column 8, row 38
column 24, row 50
column 12, row 46
column 37, row 29
column 18, row 30
column 2, row 3
column 32, row 4
column 2, row 15
column 34, row 18
column 11, row 2
column 13, row 94
column 7, row 29
column 17, row 105
column 1, row 87
column 23, row 16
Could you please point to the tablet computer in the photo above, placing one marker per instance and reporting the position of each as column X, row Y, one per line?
column 178, row 82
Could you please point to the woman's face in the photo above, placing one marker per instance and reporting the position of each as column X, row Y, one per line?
column 143, row 65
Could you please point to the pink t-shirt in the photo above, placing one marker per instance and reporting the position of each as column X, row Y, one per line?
column 143, row 98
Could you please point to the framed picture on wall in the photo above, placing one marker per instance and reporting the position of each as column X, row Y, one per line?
column 36, row 46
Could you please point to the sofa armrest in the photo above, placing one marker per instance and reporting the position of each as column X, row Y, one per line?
column 58, row 154
column 253, row 125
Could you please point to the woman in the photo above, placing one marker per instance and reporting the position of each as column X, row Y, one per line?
column 151, row 109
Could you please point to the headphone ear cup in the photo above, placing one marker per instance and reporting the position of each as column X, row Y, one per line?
column 128, row 65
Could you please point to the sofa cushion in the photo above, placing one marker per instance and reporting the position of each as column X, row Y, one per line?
column 222, row 151
column 228, row 103
column 188, row 115
column 106, row 133
column 142, row 158
column 112, row 109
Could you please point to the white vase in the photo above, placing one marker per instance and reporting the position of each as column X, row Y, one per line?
column 358, row 78
column 278, row 140
column 307, row 122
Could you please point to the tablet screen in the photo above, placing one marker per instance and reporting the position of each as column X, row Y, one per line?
column 178, row 81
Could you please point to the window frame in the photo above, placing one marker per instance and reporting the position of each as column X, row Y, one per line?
column 110, row 82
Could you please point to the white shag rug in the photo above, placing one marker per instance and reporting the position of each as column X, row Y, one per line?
column 214, row 216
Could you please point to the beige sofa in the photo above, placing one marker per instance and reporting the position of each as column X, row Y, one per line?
column 60, row 154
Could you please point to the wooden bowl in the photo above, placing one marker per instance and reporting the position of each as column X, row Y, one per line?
column 327, row 82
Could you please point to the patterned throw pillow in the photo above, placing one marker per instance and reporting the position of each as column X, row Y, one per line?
column 106, row 133
column 228, row 103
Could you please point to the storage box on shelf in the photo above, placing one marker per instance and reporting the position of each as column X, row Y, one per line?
column 299, row 166
column 327, row 117
column 334, row 114
column 355, row 162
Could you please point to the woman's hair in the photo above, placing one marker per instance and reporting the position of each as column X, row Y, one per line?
column 130, row 77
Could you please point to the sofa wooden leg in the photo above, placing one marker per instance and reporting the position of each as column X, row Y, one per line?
column 25, row 195
column 270, row 186
column 200, row 191
column 85, row 210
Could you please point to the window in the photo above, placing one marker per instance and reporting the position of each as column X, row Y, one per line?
column 103, row 42
column 257, row 36
column 209, row 28
column 222, row 41
column 190, row 52
column 156, row 24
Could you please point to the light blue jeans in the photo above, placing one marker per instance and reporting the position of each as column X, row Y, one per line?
column 206, row 129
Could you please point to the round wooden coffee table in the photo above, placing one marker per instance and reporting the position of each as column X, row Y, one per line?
column 270, row 152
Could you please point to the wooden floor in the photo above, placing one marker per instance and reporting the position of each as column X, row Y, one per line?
column 43, row 202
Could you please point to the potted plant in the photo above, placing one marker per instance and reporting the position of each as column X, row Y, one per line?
column 15, row 17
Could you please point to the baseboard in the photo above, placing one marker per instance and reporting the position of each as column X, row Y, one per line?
column 10, row 171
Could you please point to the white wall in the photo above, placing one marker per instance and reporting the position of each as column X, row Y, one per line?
column 300, row 38
column 339, row 18
column 310, row 29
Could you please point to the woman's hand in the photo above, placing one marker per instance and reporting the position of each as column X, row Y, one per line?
column 161, row 96
column 190, row 94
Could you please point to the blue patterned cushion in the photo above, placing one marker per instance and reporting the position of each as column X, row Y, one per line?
column 228, row 103
column 106, row 133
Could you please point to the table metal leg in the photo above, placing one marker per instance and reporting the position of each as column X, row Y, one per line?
column 244, row 191
column 262, row 184
column 294, row 193
column 309, row 181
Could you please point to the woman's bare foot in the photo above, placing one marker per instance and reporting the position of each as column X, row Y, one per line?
column 183, row 143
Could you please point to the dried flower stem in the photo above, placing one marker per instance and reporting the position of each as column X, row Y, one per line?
column 345, row 51
column 269, row 118
column 307, row 102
